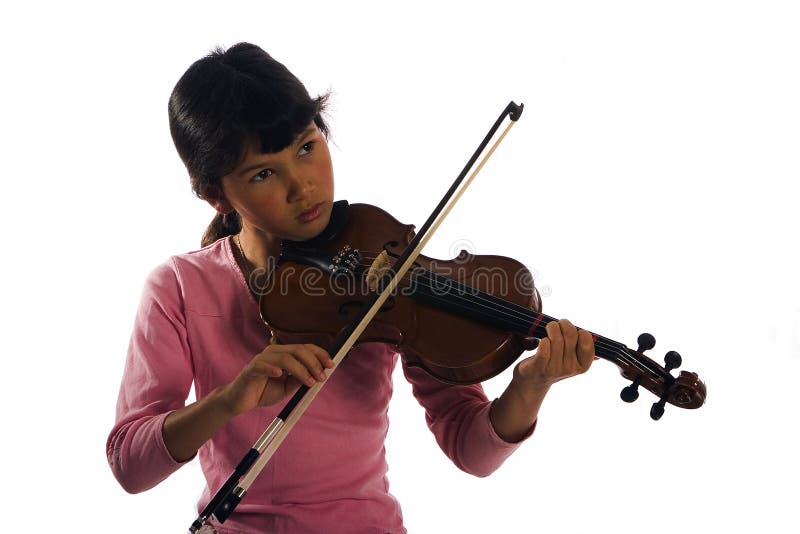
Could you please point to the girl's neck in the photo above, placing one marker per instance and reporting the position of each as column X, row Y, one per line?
column 256, row 249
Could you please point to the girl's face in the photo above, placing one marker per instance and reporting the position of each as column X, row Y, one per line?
column 286, row 194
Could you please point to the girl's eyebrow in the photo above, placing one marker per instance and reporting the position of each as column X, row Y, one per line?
column 308, row 131
column 251, row 168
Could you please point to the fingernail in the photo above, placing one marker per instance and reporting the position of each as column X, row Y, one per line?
column 321, row 377
column 310, row 381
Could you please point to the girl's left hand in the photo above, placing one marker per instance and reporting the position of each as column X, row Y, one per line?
column 565, row 352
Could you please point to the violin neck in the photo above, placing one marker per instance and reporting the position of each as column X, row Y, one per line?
column 458, row 298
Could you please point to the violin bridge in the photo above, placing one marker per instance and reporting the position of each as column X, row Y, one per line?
column 376, row 271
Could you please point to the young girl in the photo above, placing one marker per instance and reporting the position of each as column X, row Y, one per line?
column 255, row 146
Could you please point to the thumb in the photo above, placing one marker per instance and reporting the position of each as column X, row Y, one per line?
column 538, row 359
column 530, row 343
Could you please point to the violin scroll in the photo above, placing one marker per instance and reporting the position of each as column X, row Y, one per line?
column 685, row 391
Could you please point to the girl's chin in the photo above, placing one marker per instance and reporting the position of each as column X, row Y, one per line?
column 312, row 229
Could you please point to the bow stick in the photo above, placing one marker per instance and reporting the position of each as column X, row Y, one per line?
column 228, row 496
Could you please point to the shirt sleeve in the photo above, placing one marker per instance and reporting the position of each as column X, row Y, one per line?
column 156, row 381
column 458, row 416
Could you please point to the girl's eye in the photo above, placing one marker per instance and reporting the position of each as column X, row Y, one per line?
column 263, row 175
column 306, row 148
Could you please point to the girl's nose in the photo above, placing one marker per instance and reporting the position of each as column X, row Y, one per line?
column 300, row 186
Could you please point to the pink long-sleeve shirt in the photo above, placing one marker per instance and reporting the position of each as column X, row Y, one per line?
column 197, row 321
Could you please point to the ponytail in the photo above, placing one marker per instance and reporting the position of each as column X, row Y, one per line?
column 221, row 226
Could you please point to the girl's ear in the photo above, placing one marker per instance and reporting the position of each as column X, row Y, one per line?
column 216, row 198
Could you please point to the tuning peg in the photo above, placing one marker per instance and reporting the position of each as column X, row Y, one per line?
column 672, row 360
column 657, row 410
column 646, row 342
column 630, row 393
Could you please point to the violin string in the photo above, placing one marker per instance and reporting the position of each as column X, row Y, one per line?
column 519, row 316
column 606, row 347
column 521, row 324
column 524, row 317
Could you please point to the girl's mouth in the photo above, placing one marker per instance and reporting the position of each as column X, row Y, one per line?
column 311, row 213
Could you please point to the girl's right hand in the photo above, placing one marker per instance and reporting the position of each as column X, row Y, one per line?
column 275, row 373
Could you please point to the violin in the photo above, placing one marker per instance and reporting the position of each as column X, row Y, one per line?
column 463, row 320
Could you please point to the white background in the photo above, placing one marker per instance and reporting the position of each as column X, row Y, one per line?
column 650, row 184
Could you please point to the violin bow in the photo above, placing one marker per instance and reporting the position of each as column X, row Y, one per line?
column 244, row 474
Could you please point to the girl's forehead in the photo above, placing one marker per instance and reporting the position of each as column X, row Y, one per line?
column 253, row 148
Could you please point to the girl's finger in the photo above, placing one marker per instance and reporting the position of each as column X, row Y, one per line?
column 321, row 355
column 298, row 369
column 298, row 360
column 556, row 342
column 312, row 358
column 267, row 369
column 585, row 350
column 570, row 334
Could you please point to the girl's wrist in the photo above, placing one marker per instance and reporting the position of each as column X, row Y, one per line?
column 528, row 392
column 187, row 428
column 219, row 398
column 514, row 413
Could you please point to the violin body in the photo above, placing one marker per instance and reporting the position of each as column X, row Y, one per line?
column 307, row 299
